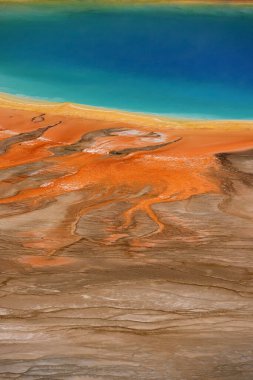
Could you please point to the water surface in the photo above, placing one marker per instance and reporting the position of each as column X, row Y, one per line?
column 190, row 61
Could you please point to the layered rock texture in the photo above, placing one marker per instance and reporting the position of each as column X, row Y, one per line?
column 126, row 249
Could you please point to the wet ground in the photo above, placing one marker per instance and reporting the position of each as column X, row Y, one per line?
column 126, row 252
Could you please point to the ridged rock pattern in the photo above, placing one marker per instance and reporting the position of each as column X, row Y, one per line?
column 126, row 251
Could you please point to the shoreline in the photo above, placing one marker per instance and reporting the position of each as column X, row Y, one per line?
column 102, row 253
column 67, row 150
column 103, row 114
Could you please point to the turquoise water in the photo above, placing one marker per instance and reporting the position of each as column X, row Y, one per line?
column 185, row 61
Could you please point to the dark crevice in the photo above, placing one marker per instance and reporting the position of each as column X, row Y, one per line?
column 125, row 152
column 38, row 119
column 6, row 144
column 86, row 141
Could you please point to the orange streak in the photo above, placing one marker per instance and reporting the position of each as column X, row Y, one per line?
column 142, row 178
column 38, row 261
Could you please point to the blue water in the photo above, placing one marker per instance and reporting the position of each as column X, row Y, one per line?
column 192, row 62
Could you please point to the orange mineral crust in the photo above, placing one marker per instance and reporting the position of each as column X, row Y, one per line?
column 60, row 164
column 126, row 245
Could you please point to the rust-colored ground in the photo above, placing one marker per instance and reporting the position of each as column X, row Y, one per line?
column 125, row 245
column 112, row 162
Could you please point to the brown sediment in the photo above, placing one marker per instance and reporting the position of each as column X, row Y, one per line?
column 102, row 158
column 23, row 137
column 126, row 245
column 38, row 261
